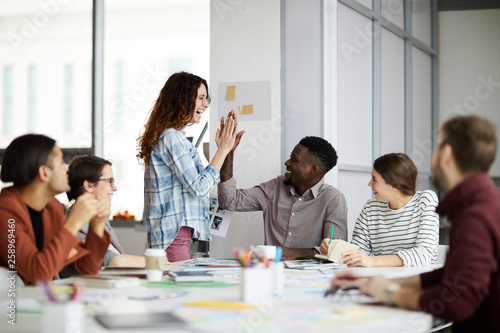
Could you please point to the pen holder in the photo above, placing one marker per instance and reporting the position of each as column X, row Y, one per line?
column 63, row 317
column 256, row 284
column 278, row 270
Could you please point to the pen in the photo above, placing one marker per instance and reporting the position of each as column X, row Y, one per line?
column 331, row 234
column 333, row 290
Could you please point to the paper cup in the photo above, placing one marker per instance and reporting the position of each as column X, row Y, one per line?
column 156, row 262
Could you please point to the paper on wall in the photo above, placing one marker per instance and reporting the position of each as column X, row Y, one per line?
column 220, row 219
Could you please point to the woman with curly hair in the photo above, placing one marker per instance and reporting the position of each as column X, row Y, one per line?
column 176, row 184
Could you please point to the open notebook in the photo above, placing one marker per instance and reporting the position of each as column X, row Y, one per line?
column 335, row 250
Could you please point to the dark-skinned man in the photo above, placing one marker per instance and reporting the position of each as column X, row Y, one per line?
column 299, row 209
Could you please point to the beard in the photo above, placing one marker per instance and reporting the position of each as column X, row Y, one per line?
column 438, row 179
column 287, row 181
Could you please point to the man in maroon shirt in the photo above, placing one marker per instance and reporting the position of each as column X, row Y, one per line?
column 466, row 290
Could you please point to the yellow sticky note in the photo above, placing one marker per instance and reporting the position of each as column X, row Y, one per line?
column 221, row 305
column 230, row 93
column 246, row 109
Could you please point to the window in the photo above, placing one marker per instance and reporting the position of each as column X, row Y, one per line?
column 7, row 100
column 166, row 37
column 68, row 98
column 46, row 78
column 47, row 58
column 385, row 97
column 32, row 98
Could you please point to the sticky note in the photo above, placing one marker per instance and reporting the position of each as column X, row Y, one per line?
column 221, row 305
column 246, row 109
column 230, row 93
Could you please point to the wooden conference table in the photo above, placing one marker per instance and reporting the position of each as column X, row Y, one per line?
column 301, row 308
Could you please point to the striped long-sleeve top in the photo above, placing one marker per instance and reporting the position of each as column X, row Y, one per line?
column 411, row 232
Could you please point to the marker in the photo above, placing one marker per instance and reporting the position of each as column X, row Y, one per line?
column 48, row 292
column 279, row 253
column 76, row 293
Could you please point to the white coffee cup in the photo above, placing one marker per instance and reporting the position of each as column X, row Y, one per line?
column 269, row 251
column 156, row 262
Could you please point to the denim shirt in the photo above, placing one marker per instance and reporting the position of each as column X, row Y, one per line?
column 176, row 190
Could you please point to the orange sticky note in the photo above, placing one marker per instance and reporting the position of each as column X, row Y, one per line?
column 246, row 109
column 230, row 93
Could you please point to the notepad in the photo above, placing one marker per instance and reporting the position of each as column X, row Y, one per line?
column 221, row 305
column 335, row 250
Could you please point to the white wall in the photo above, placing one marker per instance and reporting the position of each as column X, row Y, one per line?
column 245, row 46
column 469, row 48
column 302, row 73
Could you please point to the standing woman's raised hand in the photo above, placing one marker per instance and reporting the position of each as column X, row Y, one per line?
column 239, row 135
column 226, row 136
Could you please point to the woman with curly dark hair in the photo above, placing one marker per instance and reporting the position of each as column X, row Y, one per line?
column 176, row 184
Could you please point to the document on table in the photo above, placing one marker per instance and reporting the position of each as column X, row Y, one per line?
column 127, row 271
column 312, row 264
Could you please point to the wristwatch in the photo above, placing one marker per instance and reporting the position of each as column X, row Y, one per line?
column 389, row 290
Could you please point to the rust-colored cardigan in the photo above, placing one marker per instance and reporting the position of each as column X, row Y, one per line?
column 60, row 247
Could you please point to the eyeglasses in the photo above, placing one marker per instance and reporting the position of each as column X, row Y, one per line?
column 206, row 99
column 110, row 180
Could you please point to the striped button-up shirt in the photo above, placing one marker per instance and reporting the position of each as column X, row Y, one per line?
column 290, row 220
column 176, row 190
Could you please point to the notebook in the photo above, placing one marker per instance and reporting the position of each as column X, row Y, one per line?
column 335, row 250
column 126, row 271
